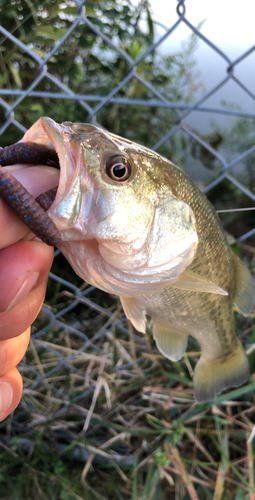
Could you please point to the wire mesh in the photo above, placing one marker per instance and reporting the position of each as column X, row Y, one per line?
column 68, row 348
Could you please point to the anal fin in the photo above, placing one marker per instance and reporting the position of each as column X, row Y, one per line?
column 170, row 341
column 245, row 289
column 212, row 377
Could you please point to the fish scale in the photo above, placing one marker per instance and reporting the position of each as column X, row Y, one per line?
column 171, row 302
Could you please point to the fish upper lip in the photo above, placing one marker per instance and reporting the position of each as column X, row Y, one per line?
column 48, row 132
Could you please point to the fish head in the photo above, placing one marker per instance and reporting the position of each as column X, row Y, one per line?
column 122, row 227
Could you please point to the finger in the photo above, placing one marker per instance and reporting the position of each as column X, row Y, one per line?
column 36, row 180
column 16, row 321
column 10, row 392
column 11, row 226
column 12, row 351
column 23, row 267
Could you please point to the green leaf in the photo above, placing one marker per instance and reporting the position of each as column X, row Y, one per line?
column 51, row 32
column 150, row 24
column 15, row 73
column 161, row 458
column 151, row 485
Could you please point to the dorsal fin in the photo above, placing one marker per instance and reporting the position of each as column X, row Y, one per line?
column 244, row 297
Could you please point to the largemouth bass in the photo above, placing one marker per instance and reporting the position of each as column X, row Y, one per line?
column 133, row 224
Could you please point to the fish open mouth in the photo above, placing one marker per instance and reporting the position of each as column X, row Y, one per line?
column 32, row 172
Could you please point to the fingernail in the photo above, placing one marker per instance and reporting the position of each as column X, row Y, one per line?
column 25, row 288
column 6, row 395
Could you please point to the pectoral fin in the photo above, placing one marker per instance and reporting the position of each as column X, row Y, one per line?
column 134, row 313
column 171, row 342
column 245, row 289
column 193, row 282
column 212, row 377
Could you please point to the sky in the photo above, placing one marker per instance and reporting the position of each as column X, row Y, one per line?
column 227, row 23
column 230, row 26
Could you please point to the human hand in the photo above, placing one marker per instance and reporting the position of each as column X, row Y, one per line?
column 24, row 268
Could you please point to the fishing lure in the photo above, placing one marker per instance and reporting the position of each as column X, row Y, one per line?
column 32, row 211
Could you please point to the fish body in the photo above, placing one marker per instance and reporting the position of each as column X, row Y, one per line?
column 135, row 225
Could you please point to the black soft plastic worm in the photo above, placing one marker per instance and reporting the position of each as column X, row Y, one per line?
column 30, row 210
column 28, row 152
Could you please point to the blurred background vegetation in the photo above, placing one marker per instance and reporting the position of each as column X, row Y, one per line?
column 89, row 66
column 144, row 436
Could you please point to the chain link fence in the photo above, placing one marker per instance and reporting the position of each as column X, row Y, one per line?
column 72, row 358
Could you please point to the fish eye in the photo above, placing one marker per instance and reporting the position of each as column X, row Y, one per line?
column 118, row 168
